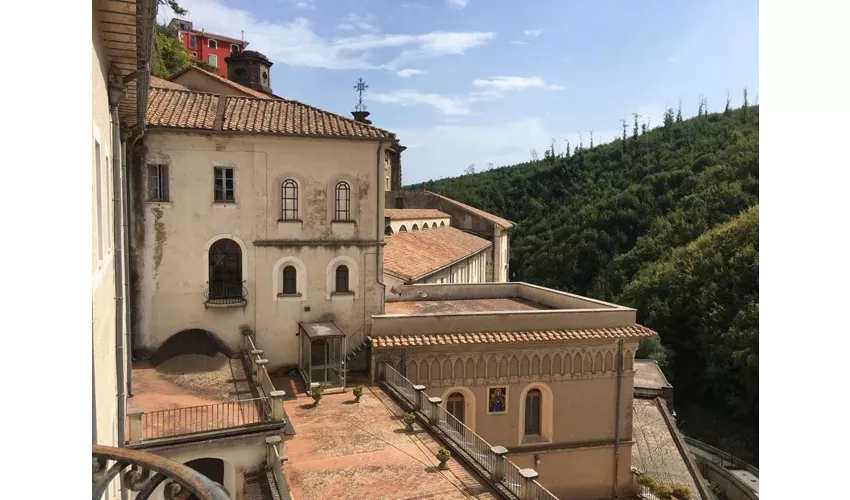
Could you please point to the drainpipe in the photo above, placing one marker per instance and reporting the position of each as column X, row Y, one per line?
column 117, row 92
column 617, row 417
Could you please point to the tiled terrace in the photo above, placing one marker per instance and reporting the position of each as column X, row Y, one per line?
column 347, row 450
column 462, row 306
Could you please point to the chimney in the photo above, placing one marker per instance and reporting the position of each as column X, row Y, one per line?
column 362, row 117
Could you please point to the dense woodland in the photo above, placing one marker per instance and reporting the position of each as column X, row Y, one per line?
column 667, row 222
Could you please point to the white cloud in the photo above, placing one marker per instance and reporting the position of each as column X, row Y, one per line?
column 408, row 72
column 302, row 4
column 519, row 42
column 295, row 43
column 457, row 4
column 353, row 22
column 447, row 105
column 534, row 33
column 509, row 83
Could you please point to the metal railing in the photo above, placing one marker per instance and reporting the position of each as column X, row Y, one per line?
column 280, row 482
column 463, row 438
column 147, row 472
column 196, row 419
column 226, row 293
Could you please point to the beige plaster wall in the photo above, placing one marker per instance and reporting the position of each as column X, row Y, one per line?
column 172, row 253
column 408, row 224
column 501, row 258
column 195, row 80
column 103, row 272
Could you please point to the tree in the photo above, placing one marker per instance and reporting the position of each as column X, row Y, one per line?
column 489, row 165
column 591, row 139
column 568, row 148
column 169, row 56
column 679, row 112
column 534, row 156
column 470, row 169
column 728, row 108
column 580, row 142
column 180, row 11
column 635, row 131
column 552, row 154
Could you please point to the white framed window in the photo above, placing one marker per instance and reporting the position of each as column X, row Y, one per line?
column 212, row 44
column 234, row 49
column 224, row 189
column 193, row 41
column 213, row 60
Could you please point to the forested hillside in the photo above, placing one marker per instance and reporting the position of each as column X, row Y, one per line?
column 667, row 222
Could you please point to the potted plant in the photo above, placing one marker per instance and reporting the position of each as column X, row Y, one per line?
column 443, row 456
column 663, row 492
column 681, row 493
column 409, row 418
column 358, row 391
column 316, row 393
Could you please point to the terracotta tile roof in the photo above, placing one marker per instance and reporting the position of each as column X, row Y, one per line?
column 412, row 255
column 159, row 83
column 505, row 223
column 249, row 92
column 288, row 117
column 414, row 213
column 429, row 339
column 181, row 109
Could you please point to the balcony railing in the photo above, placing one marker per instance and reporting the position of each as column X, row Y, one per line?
column 223, row 294
column 520, row 483
column 207, row 418
column 147, row 472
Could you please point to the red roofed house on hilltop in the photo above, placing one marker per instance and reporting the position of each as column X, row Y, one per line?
column 210, row 48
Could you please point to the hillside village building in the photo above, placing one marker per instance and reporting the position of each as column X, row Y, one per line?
column 269, row 250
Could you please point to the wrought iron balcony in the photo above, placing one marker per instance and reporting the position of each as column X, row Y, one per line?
column 226, row 294
column 147, row 471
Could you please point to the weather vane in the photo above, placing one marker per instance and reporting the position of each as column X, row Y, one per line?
column 360, row 88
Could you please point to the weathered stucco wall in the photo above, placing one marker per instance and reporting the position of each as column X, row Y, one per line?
column 172, row 248
column 105, row 411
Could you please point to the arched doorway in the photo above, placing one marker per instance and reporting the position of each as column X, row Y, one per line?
column 455, row 405
column 212, row 468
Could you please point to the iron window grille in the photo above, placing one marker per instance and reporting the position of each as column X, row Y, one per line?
column 289, row 200
column 224, row 184
column 289, row 280
column 225, row 272
column 342, row 201
column 532, row 412
column 342, row 279
column 157, row 182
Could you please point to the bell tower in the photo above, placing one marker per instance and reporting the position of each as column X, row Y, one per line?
column 251, row 69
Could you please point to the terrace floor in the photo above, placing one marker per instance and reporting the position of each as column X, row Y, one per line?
column 347, row 450
column 462, row 306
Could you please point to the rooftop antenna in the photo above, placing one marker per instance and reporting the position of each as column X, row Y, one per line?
column 360, row 88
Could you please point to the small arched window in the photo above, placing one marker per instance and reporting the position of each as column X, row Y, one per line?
column 443, row 223
column 425, row 226
column 533, row 401
column 289, row 200
column 342, row 201
column 388, row 231
column 225, row 272
column 415, row 228
column 454, row 405
column 290, row 276
column 402, row 229
column 342, row 279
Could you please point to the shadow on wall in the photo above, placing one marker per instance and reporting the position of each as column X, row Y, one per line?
column 195, row 343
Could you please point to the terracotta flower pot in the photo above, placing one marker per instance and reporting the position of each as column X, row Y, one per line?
column 443, row 459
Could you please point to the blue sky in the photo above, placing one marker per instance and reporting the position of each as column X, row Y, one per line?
column 486, row 81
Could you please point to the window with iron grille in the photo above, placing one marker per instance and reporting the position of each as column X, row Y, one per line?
column 342, row 203
column 157, row 182
column 289, row 281
column 289, row 200
column 224, row 185
column 532, row 412
column 342, row 279
column 225, row 273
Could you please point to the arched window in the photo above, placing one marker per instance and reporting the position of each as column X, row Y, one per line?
column 402, row 229
column 533, row 401
column 225, row 273
column 415, row 228
column 442, row 223
column 342, row 201
column 425, row 226
column 342, row 279
column 289, row 200
column 388, row 231
column 455, row 404
column 290, row 281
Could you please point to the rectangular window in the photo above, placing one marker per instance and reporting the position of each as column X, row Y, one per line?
column 212, row 44
column 157, row 182
column 98, row 199
column 224, row 185
column 213, row 60
column 193, row 42
column 234, row 49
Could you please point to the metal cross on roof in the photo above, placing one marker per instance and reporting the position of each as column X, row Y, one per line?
column 360, row 88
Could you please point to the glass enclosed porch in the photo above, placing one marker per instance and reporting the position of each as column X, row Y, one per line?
column 322, row 359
